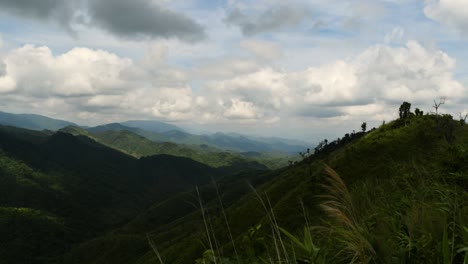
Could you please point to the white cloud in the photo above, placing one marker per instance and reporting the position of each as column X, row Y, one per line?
column 86, row 85
column 78, row 72
column 453, row 13
column 83, row 80
column 174, row 104
column 361, row 85
column 7, row 84
column 238, row 109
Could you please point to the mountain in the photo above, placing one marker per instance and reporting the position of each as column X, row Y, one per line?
column 162, row 132
column 224, row 142
column 60, row 189
column 140, row 146
column 151, row 125
column 31, row 121
column 396, row 194
column 242, row 143
column 111, row 127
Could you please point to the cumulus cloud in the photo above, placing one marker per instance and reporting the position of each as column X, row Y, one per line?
column 86, row 81
column 362, row 85
column 453, row 13
column 93, row 84
column 143, row 19
column 274, row 18
column 79, row 72
column 7, row 84
column 238, row 109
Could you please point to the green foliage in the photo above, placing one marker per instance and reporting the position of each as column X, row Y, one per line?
column 308, row 252
column 31, row 236
column 140, row 146
column 404, row 110
column 398, row 194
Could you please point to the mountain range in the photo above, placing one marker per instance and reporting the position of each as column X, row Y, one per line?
column 163, row 132
column 395, row 194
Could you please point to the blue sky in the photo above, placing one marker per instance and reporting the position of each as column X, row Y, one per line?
column 302, row 69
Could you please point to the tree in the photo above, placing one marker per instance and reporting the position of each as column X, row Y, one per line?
column 364, row 127
column 418, row 112
column 437, row 105
column 463, row 119
column 404, row 110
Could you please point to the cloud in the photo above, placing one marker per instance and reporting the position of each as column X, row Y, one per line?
column 138, row 19
column 57, row 10
column 87, row 81
column 272, row 19
column 99, row 86
column 263, row 50
column 361, row 85
column 394, row 36
column 39, row 9
column 143, row 19
column 238, row 109
column 453, row 13
column 79, row 72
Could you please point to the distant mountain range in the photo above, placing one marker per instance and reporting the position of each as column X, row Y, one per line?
column 157, row 131
column 130, row 142
column 31, row 121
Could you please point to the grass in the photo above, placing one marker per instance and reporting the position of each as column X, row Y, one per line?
column 404, row 201
column 398, row 194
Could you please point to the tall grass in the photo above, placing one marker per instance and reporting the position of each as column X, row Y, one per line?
column 338, row 206
column 280, row 249
column 205, row 221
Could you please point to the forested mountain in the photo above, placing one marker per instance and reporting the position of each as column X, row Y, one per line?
column 121, row 138
column 221, row 141
column 59, row 189
column 158, row 131
column 151, row 125
column 30, row 121
column 395, row 194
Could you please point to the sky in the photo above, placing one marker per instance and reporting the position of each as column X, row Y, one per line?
column 306, row 69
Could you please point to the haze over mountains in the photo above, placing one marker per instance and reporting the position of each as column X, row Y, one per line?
column 163, row 132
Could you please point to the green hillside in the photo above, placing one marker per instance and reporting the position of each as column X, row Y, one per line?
column 31, row 121
column 224, row 142
column 397, row 194
column 139, row 146
column 58, row 190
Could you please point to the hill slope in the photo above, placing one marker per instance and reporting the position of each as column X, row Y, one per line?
column 402, row 196
column 31, row 121
column 56, row 190
column 397, row 194
column 151, row 125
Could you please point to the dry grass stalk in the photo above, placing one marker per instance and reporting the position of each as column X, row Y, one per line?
column 338, row 205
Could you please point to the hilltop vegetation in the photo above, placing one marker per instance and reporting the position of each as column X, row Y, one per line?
column 395, row 194
column 399, row 195
column 73, row 188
